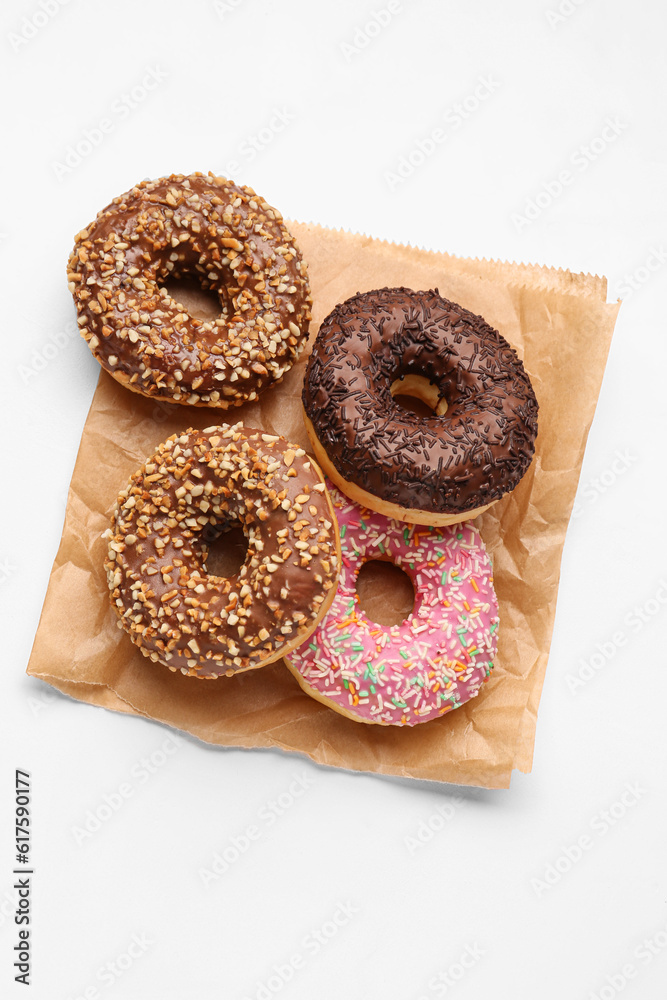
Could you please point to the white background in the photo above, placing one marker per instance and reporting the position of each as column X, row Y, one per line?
column 352, row 848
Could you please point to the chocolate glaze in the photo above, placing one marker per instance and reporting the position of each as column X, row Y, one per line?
column 236, row 245
column 467, row 458
column 197, row 483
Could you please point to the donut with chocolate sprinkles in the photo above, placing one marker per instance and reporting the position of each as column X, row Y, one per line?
column 471, row 447
column 235, row 245
column 195, row 485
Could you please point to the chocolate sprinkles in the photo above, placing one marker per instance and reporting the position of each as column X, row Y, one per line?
column 466, row 458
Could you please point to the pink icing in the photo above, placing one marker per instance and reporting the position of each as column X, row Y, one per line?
column 439, row 656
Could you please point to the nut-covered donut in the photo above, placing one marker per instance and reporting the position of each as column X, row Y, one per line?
column 438, row 469
column 194, row 486
column 235, row 245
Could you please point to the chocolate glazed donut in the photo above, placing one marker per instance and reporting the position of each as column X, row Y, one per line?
column 438, row 469
column 235, row 245
column 195, row 484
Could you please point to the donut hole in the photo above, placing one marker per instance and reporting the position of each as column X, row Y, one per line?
column 385, row 592
column 417, row 394
column 200, row 303
column 223, row 549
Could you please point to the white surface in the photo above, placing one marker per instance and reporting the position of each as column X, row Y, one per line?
column 353, row 114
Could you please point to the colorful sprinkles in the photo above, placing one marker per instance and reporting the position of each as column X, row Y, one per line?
column 435, row 660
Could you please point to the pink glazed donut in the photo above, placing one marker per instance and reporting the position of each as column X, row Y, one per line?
column 437, row 658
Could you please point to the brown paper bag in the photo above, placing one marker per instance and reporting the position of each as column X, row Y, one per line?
column 560, row 325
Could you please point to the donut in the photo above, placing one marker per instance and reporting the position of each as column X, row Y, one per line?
column 435, row 660
column 195, row 485
column 438, row 469
column 229, row 239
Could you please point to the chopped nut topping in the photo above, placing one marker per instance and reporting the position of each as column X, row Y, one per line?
column 175, row 226
column 196, row 484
